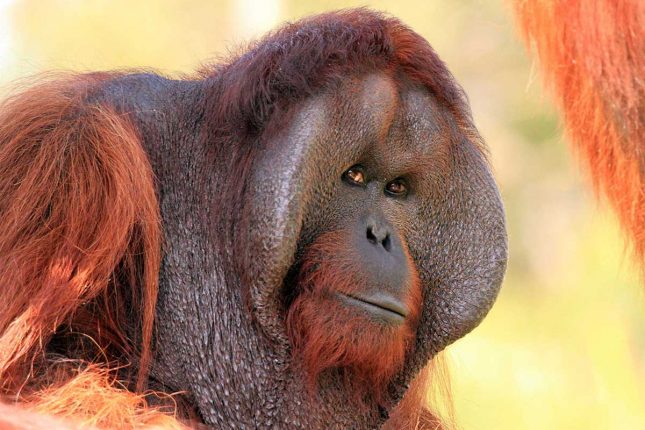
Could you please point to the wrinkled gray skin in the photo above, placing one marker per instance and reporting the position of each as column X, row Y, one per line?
column 220, row 333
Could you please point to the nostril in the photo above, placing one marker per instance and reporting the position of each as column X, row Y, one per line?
column 370, row 236
column 387, row 243
column 378, row 236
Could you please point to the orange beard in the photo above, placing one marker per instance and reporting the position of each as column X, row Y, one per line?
column 328, row 334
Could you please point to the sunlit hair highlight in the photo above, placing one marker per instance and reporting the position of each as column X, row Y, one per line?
column 80, row 234
column 591, row 53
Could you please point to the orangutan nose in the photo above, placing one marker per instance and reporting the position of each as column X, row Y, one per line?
column 378, row 235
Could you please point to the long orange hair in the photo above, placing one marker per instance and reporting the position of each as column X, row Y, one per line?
column 81, row 238
column 592, row 55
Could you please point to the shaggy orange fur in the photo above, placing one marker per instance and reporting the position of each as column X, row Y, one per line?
column 430, row 387
column 592, row 55
column 92, row 399
column 80, row 238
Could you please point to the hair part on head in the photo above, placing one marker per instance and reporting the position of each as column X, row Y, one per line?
column 300, row 59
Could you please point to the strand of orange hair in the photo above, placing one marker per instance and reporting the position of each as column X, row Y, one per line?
column 592, row 55
column 80, row 244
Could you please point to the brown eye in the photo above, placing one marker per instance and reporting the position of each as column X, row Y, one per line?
column 397, row 187
column 355, row 175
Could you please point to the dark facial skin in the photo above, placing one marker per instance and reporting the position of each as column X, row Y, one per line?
column 355, row 196
column 383, row 260
column 224, row 294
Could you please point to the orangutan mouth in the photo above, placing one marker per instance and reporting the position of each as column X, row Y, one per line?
column 384, row 307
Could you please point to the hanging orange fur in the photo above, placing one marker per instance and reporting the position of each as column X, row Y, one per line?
column 92, row 399
column 592, row 55
column 80, row 238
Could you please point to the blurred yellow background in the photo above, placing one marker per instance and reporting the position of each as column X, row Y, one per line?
column 564, row 346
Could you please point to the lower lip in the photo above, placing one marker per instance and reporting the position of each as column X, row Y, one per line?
column 380, row 313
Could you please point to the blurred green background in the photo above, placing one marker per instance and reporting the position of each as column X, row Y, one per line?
column 564, row 346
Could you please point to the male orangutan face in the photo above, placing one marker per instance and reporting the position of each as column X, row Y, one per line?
column 354, row 293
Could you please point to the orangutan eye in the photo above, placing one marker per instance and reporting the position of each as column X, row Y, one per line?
column 355, row 175
column 397, row 187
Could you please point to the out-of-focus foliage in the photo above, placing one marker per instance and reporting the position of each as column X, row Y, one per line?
column 564, row 347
